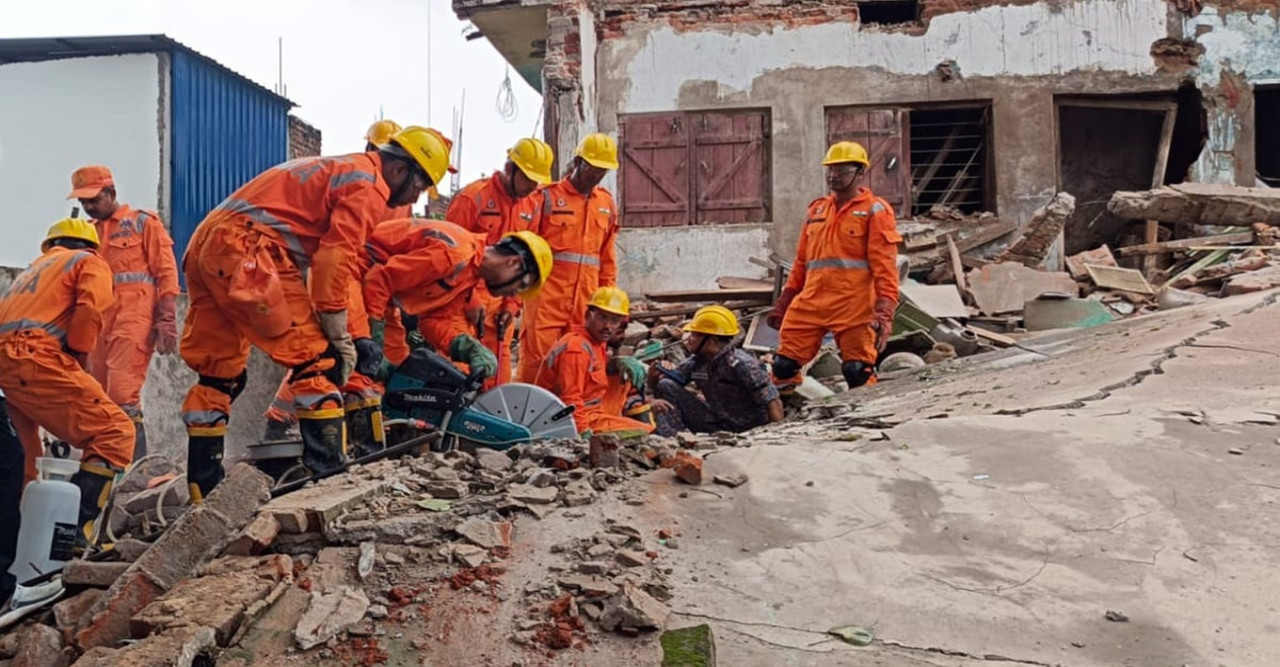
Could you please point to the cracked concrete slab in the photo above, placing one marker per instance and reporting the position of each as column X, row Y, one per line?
column 977, row 536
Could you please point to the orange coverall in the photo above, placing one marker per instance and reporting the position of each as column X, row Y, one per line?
column 845, row 260
column 575, row 369
column 430, row 269
column 53, row 310
column 140, row 253
column 581, row 231
column 483, row 207
column 311, row 213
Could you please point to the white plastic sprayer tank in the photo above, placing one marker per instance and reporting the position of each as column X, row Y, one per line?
column 50, row 511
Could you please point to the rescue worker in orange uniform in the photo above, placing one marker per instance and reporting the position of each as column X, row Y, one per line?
column 580, row 221
column 577, row 366
column 844, row 278
column 496, row 206
column 145, row 316
column 244, row 269
column 430, row 268
column 362, row 394
column 50, row 319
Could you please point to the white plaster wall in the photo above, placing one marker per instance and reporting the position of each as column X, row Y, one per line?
column 1039, row 39
column 58, row 115
column 686, row 258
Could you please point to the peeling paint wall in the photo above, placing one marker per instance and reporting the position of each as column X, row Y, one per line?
column 658, row 259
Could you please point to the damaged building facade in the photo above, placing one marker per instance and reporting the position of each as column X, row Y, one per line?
column 724, row 109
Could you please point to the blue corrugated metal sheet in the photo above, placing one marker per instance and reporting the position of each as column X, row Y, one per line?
column 225, row 131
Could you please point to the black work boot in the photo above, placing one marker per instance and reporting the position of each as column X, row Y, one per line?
column 276, row 431
column 364, row 431
column 324, row 443
column 94, row 481
column 204, row 465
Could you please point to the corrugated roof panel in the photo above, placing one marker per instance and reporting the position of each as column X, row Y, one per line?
column 225, row 132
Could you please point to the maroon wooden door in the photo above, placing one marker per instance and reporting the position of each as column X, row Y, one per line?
column 654, row 173
column 731, row 166
column 885, row 135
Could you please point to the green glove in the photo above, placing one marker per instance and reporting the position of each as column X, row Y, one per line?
column 378, row 330
column 467, row 349
column 586, row 435
column 631, row 370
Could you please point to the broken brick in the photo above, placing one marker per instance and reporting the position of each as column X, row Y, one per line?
column 686, row 466
column 79, row 572
column 257, row 536
column 40, row 646
column 485, row 533
column 179, row 647
column 219, row 600
column 69, row 613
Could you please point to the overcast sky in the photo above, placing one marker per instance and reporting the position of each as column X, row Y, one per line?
column 345, row 61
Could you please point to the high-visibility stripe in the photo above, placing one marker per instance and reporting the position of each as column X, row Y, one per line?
column 258, row 215
column 206, row 431
column 555, row 354
column 835, row 263
column 330, row 413
column 312, row 402
column 339, row 180
column 75, row 259
column 24, row 323
column 202, row 418
column 134, row 277
column 576, row 258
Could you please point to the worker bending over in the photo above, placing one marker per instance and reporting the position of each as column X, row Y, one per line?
column 576, row 367
column 144, row 319
column 496, row 206
column 580, row 221
column 844, row 278
column 739, row 395
column 50, row 319
column 244, row 269
column 430, row 268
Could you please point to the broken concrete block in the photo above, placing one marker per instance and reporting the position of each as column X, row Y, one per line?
column 1033, row 242
column 901, row 361
column 79, row 572
column 630, row 558
column 589, row 585
column 470, row 555
column 578, row 493
column 486, row 534
column 603, row 451
column 167, row 495
column 1253, row 281
column 489, row 459
column 311, row 509
column 194, row 540
column 218, row 601
column 731, row 481
column 329, row 614
column 1004, row 287
column 180, row 647
column 40, row 646
column 1170, row 298
column 635, row 609
column 540, row 477
column 129, row 550
column 449, row 490
column 257, row 536
column 1200, row 204
column 689, row 647
column 1100, row 256
column 533, row 495
column 1044, row 314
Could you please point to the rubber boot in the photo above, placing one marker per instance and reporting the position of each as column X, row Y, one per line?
column 95, row 481
column 364, row 430
column 204, row 464
column 324, row 442
column 276, row 431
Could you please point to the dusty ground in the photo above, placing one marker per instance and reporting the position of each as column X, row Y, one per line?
column 992, row 510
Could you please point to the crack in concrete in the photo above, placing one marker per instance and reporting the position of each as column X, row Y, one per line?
column 987, row 657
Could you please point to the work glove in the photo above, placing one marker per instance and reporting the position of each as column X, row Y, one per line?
column 164, row 328
column 882, row 321
column 473, row 353
column 369, row 357
column 334, row 326
column 780, row 308
column 378, row 331
column 631, row 370
column 415, row 339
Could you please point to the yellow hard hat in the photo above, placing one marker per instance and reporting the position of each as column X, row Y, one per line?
column 846, row 151
column 71, row 228
column 611, row 300
column 534, row 158
column 599, row 150
column 381, row 131
column 540, row 252
column 714, row 321
column 427, row 147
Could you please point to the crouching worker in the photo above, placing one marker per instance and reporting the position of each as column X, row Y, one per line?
column 577, row 366
column 739, row 393
column 431, row 269
column 50, row 320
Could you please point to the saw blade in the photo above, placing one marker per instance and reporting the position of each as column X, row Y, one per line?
column 531, row 406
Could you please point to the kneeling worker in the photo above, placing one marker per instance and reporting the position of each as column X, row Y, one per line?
column 739, row 393
column 50, row 320
column 576, row 366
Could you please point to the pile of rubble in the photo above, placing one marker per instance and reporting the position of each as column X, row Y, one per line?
column 349, row 561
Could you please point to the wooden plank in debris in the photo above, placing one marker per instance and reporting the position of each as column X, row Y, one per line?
column 993, row 337
column 737, row 282
column 1100, row 256
column 1150, row 263
column 762, row 294
column 957, row 267
column 1185, row 244
column 1117, row 278
column 986, row 235
column 689, row 310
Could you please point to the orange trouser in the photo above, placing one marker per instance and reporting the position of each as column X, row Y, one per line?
column 615, row 395
column 120, row 361
column 500, row 348
column 800, row 342
column 218, row 329
column 395, row 347
column 45, row 387
column 536, row 339
column 601, row 422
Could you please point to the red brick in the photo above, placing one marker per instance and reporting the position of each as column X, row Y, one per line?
column 79, row 572
column 257, row 536
column 69, row 614
column 687, row 467
column 40, row 646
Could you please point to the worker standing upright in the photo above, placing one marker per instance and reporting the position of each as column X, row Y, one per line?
column 244, row 270
column 50, row 319
column 844, row 278
column 580, row 221
column 144, row 320
column 496, row 206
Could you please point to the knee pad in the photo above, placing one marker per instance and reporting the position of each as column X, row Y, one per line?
column 856, row 373
column 230, row 386
column 785, row 368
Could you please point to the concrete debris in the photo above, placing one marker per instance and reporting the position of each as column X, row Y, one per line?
column 70, row 613
column 686, row 466
column 1200, row 204
column 1253, row 281
column 1005, row 287
column 1169, row 298
column 630, row 558
column 221, row 599
column 493, row 460
column 901, row 361
column 90, row 573
column 486, row 534
column 589, row 585
column 1032, row 244
column 689, row 647
column 635, row 609
column 470, row 555
column 329, row 614
column 1250, row 260
column 532, row 494
column 40, row 646
column 578, row 493
column 731, row 481
column 449, row 490
column 939, row 353
column 1100, row 256
column 603, row 451
column 182, row 647
column 1043, row 314
column 256, row 537
column 364, row 565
